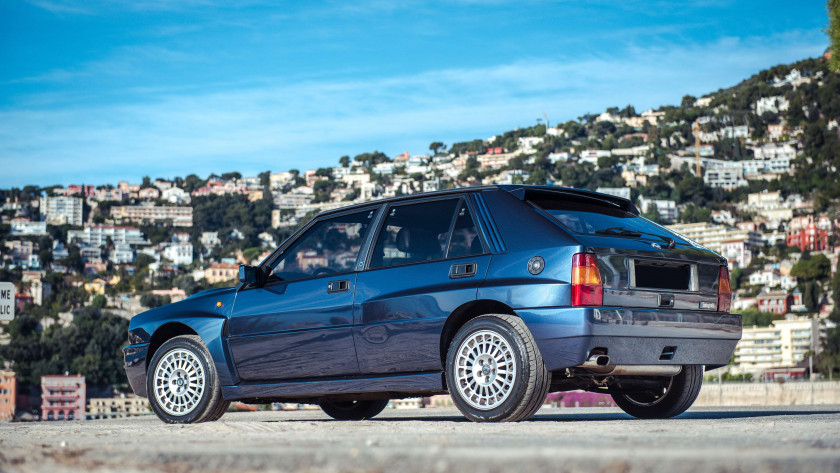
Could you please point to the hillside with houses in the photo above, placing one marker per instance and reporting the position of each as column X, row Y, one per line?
column 750, row 171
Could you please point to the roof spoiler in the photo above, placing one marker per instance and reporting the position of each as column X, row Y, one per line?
column 526, row 192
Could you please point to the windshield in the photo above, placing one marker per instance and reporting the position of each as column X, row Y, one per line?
column 594, row 217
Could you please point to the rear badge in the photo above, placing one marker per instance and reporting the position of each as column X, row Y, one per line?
column 656, row 245
column 708, row 305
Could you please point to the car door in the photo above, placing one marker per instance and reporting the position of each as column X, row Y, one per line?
column 427, row 260
column 299, row 324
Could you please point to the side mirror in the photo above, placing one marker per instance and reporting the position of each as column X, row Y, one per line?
column 248, row 274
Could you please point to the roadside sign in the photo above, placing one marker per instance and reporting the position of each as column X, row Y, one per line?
column 7, row 301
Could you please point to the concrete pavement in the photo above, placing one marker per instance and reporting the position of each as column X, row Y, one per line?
column 774, row 439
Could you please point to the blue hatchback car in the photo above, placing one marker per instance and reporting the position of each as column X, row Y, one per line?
column 496, row 295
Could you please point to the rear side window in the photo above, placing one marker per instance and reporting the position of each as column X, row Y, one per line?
column 594, row 217
column 465, row 240
column 414, row 233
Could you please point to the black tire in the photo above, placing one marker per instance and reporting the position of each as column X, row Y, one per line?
column 219, row 412
column 530, row 379
column 353, row 410
column 679, row 396
column 208, row 402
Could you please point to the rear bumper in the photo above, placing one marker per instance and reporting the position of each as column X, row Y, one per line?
column 566, row 336
column 135, row 367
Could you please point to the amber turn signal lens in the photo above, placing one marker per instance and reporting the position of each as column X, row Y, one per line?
column 219, row 304
column 724, row 290
column 586, row 281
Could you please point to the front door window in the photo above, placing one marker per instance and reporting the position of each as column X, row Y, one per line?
column 330, row 246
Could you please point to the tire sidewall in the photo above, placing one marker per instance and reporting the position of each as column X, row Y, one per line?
column 520, row 384
column 677, row 400
column 198, row 349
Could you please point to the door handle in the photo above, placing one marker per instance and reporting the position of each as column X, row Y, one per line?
column 462, row 270
column 338, row 286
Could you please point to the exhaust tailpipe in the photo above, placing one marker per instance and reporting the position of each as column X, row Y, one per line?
column 600, row 365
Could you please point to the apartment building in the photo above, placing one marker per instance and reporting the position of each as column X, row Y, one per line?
column 778, row 302
column 97, row 235
column 62, row 210
column 179, row 216
column 24, row 227
column 63, row 397
column 117, row 407
column 221, row 272
column 666, row 209
column 728, row 177
column 781, row 345
column 712, row 235
column 180, row 254
column 8, row 395
column 623, row 192
column 810, row 238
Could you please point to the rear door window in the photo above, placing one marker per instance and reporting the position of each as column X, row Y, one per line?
column 465, row 240
column 414, row 233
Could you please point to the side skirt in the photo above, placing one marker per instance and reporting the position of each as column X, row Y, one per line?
column 420, row 383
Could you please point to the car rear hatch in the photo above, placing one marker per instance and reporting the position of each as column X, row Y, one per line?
column 641, row 264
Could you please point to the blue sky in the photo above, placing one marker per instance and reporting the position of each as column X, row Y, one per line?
column 99, row 91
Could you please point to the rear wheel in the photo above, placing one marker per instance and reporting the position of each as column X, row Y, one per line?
column 494, row 371
column 353, row 410
column 182, row 384
column 678, row 393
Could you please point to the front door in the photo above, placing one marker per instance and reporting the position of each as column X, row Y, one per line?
column 428, row 259
column 299, row 324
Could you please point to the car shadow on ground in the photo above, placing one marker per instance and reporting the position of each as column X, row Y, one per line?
column 698, row 415
column 595, row 416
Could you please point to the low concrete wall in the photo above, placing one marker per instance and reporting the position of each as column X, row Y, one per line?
column 769, row 394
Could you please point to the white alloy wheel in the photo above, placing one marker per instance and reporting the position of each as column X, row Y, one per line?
column 485, row 369
column 179, row 382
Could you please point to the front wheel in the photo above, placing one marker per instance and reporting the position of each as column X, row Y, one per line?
column 677, row 394
column 494, row 371
column 353, row 410
column 182, row 383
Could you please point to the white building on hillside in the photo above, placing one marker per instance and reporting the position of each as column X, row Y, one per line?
column 623, row 192
column 61, row 210
column 666, row 209
column 781, row 345
column 181, row 254
column 22, row 227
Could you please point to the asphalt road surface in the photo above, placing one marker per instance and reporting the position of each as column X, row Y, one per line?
column 774, row 439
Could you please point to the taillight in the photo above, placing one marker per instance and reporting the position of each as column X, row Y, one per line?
column 724, row 290
column 586, row 280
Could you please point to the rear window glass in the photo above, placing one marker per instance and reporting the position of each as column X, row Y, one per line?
column 588, row 216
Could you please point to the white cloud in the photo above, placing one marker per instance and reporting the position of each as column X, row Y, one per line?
column 308, row 124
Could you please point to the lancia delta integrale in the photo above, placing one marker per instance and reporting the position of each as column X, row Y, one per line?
column 496, row 295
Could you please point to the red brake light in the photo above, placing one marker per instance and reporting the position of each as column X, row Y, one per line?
column 586, row 280
column 724, row 290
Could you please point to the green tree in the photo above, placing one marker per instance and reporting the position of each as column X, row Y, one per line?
column 833, row 32
column 265, row 179
column 143, row 261
column 90, row 345
column 98, row 302
column 435, row 146
column 811, row 268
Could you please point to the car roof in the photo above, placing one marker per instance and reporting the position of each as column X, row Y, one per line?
column 516, row 190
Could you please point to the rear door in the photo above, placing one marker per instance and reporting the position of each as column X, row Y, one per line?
column 427, row 260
